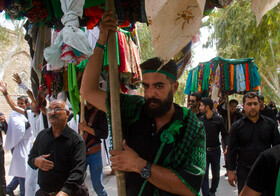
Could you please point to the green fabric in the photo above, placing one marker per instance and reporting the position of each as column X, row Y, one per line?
column 91, row 3
column 195, row 80
column 255, row 75
column 73, row 89
column 160, row 71
column 277, row 191
column 106, row 53
column 188, row 151
column 250, row 76
column 227, row 87
column 81, row 67
column 205, row 81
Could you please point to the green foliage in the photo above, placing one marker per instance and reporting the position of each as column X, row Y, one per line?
column 236, row 35
column 144, row 36
column 180, row 98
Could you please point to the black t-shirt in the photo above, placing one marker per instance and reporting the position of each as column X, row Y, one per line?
column 264, row 173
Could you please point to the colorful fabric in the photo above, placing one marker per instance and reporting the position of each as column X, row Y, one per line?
column 231, row 76
column 216, row 87
column 227, row 87
column 195, row 80
column 205, row 81
column 247, row 77
column 200, row 77
column 189, row 83
column 211, row 75
column 222, row 77
column 71, row 55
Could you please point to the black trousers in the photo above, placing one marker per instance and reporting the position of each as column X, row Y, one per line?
column 241, row 173
column 2, row 173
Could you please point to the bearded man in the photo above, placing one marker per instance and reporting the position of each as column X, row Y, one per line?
column 249, row 136
column 164, row 147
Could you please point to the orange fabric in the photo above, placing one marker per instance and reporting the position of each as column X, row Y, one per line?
column 247, row 77
column 94, row 13
column 257, row 88
column 231, row 76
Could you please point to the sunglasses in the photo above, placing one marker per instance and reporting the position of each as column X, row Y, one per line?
column 191, row 101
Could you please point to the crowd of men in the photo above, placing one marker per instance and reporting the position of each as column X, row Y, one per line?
column 167, row 149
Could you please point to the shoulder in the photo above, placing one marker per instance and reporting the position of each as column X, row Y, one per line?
column 239, row 122
column 268, row 120
column 73, row 134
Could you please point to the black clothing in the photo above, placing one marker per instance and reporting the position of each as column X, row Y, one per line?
column 264, row 173
column 267, row 111
column 241, row 174
column 99, row 124
column 213, row 127
column 3, row 127
column 67, row 152
column 233, row 117
column 198, row 115
column 248, row 140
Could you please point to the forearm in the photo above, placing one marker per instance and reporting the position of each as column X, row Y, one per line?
column 90, row 82
column 12, row 104
column 166, row 180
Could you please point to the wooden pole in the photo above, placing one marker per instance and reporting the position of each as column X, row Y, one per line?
column 115, row 99
column 82, row 112
column 228, row 115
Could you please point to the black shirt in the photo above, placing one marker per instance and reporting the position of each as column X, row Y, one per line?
column 99, row 124
column 3, row 127
column 267, row 111
column 248, row 140
column 263, row 175
column 68, row 153
column 213, row 127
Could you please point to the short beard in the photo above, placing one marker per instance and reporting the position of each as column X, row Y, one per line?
column 163, row 107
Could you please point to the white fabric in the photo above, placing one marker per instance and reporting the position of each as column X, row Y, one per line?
column 74, row 124
column 260, row 7
column 19, row 140
column 36, row 125
column 173, row 31
column 105, row 159
column 93, row 35
column 70, row 34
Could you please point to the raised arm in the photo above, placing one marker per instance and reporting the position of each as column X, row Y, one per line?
column 90, row 82
column 4, row 90
column 18, row 80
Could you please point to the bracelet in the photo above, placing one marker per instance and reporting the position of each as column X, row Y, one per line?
column 24, row 87
column 5, row 93
column 100, row 46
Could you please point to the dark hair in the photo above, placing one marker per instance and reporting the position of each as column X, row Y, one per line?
column 197, row 96
column 233, row 101
column 1, row 114
column 250, row 95
column 261, row 97
column 24, row 98
column 207, row 102
column 155, row 63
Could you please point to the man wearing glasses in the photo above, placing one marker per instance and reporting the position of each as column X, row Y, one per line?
column 194, row 102
column 59, row 153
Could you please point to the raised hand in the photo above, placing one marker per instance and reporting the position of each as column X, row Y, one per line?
column 16, row 78
column 108, row 23
column 3, row 87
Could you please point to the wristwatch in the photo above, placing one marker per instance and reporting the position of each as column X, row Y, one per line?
column 146, row 171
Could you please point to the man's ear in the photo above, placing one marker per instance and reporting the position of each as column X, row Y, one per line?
column 175, row 87
column 67, row 112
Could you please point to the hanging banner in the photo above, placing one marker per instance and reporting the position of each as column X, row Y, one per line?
column 260, row 7
column 173, row 24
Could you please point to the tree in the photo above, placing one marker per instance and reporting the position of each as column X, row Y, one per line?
column 237, row 36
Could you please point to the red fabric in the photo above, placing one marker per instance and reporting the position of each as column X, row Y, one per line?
column 124, row 54
column 247, row 77
column 94, row 13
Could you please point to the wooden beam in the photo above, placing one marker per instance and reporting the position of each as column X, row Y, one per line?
column 115, row 99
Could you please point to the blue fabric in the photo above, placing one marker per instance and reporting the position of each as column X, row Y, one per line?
column 189, row 84
column 213, row 158
column 94, row 161
column 14, row 183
